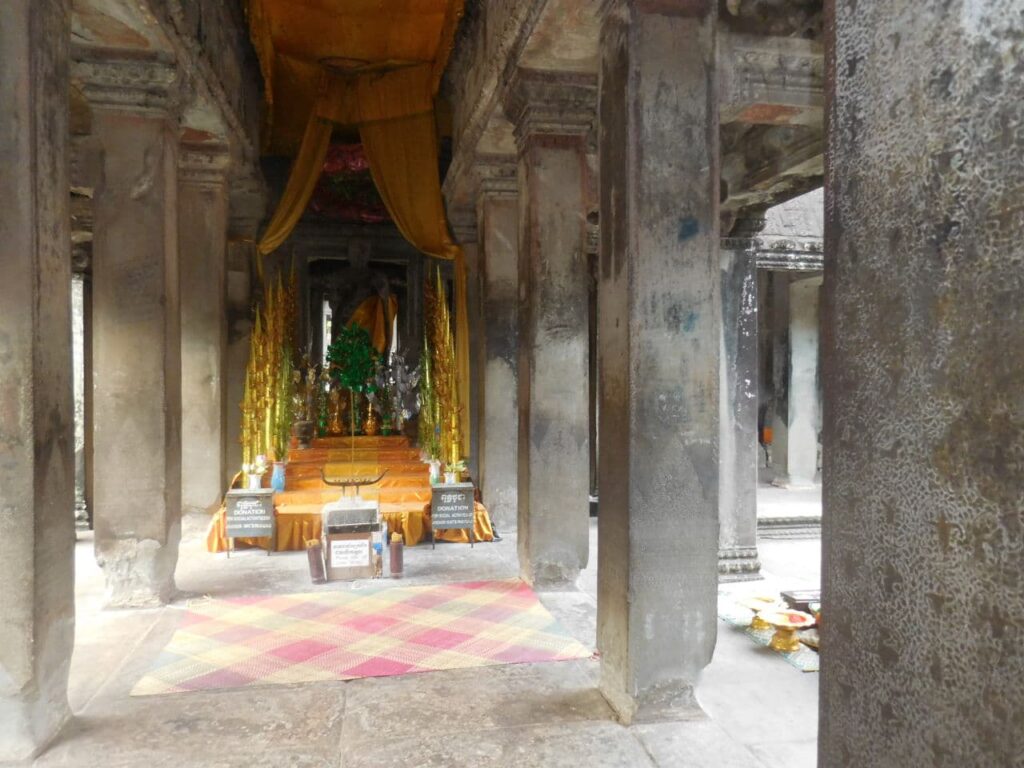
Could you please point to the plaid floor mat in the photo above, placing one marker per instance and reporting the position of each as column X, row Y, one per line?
column 284, row 639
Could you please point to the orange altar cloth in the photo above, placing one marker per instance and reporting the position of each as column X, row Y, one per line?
column 403, row 493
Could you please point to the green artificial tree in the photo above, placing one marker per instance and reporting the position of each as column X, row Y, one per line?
column 353, row 362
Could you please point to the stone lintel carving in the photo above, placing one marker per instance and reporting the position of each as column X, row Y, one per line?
column 551, row 103
column 205, row 165
column 790, row 261
column 138, row 86
column 771, row 80
column 496, row 176
column 780, row 254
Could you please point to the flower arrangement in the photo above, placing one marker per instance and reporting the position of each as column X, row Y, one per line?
column 267, row 402
column 284, row 411
column 403, row 387
column 254, row 472
column 257, row 467
column 457, row 467
column 439, row 399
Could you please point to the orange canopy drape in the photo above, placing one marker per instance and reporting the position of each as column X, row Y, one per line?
column 392, row 103
column 301, row 183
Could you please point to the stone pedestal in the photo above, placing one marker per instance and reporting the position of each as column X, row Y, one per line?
column 923, row 537
column 658, row 339
column 797, row 424
column 136, row 331
column 553, row 115
column 498, row 211
column 36, row 418
column 738, row 448
column 202, row 231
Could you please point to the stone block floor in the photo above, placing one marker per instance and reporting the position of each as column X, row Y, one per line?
column 762, row 713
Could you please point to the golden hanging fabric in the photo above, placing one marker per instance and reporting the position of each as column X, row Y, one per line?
column 301, row 183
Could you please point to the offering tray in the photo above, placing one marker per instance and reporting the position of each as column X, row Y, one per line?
column 757, row 604
column 786, row 623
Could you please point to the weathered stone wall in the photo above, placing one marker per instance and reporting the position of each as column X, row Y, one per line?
column 923, row 637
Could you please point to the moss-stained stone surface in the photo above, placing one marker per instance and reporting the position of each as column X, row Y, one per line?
column 924, row 359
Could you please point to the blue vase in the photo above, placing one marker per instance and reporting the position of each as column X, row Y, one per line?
column 277, row 477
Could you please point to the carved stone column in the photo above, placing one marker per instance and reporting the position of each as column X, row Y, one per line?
column 659, row 341
column 923, row 524
column 202, row 234
column 247, row 207
column 553, row 114
column 37, row 610
column 136, row 328
column 798, row 415
column 498, row 216
column 738, row 403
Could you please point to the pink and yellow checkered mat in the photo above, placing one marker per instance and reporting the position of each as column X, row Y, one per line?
column 283, row 639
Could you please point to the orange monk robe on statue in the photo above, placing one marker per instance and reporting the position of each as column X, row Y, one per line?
column 377, row 319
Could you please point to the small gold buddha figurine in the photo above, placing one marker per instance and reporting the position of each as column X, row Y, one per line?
column 372, row 425
column 335, row 424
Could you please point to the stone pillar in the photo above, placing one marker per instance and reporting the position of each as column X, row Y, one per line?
column 136, row 330
column 472, row 256
column 37, row 481
column 779, row 320
column 87, row 397
column 924, row 362
column 553, row 114
column 795, row 450
column 658, row 338
column 202, row 232
column 738, row 446
column 498, row 214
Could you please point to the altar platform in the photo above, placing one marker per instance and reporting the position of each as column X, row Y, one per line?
column 403, row 493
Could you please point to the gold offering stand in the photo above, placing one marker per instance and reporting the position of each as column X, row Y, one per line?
column 756, row 604
column 786, row 624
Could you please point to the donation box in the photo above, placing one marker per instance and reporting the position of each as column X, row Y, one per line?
column 348, row 532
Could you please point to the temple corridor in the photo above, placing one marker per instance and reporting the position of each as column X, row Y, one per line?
column 512, row 383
